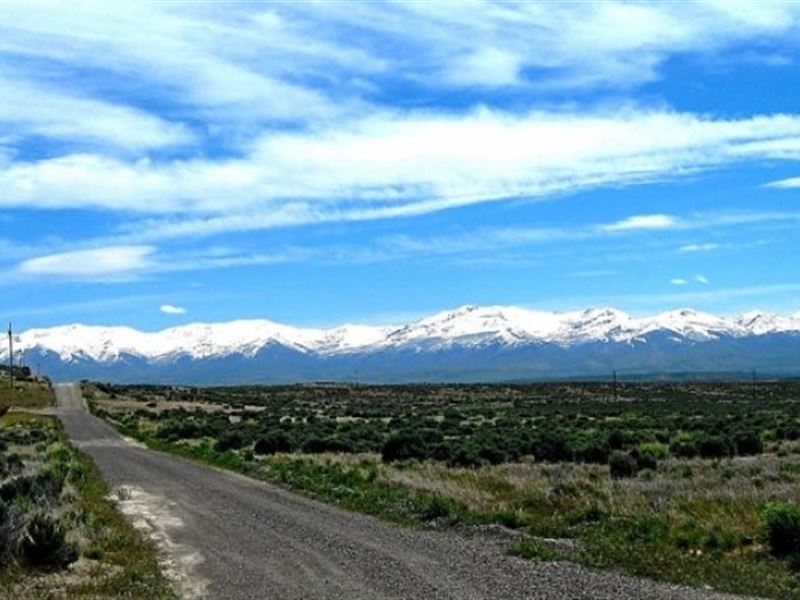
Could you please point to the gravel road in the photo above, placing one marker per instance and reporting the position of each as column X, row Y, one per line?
column 225, row 536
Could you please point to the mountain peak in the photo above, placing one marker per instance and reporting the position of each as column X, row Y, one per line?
column 465, row 326
column 467, row 342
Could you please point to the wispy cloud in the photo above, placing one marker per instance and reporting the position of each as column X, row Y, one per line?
column 493, row 239
column 690, row 248
column 789, row 183
column 97, row 263
column 593, row 273
column 681, row 281
column 260, row 116
column 645, row 222
column 51, row 113
column 395, row 166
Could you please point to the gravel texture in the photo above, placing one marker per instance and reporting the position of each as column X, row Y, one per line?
column 226, row 536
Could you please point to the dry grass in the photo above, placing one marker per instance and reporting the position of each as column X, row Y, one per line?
column 26, row 394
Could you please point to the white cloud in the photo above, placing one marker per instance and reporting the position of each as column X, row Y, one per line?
column 171, row 309
column 790, row 183
column 556, row 45
column 46, row 111
column 239, row 72
column 696, row 278
column 97, row 263
column 390, row 166
column 635, row 222
column 689, row 248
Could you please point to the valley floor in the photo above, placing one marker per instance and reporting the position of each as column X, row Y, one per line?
column 228, row 536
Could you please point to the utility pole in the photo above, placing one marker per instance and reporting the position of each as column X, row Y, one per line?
column 10, row 358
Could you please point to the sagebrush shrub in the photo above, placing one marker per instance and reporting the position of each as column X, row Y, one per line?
column 45, row 543
column 229, row 441
column 782, row 527
column 714, row 447
column 404, row 446
column 272, row 442
column 622, row 464
column 748, row 443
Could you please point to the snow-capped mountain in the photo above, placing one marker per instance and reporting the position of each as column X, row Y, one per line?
column 468, row 343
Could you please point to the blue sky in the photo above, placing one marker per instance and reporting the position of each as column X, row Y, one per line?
column 363, row 162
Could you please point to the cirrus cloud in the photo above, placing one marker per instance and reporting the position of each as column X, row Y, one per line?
column 95, row 263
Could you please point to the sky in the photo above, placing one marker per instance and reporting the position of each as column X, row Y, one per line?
column 332, row 162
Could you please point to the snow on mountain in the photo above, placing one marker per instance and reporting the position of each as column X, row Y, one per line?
column 692, row 325
column 475, row 325
column 760, row 323
column 348, row 338
column 467, row 326
column 596, row 324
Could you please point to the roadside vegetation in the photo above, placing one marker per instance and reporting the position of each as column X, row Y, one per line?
column 30, row 391
column 690, row 483
column 60, row 536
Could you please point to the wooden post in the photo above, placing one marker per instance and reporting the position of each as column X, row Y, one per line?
column 10, row 358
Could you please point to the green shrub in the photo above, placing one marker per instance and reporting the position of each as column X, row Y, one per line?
column 48, row 484
column 533, row 550
column 7, row 532
column 748, row 443
column 272, row 442
column 782, row 528
column 464, row 455
column 229, row 441
column 404, row 446
column 10, row 464
column 622, row 464
column 444, row 509
column 650, row 529
column 714, row 447
column 513, row 519
column 588, row 514
column 685, row 448
column 551, row 447
column 45, row 543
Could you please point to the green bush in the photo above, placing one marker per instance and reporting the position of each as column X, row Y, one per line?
column 10, row 464
column 272, row 442
column 782, row 528
column 748, row 443
column 404, row 446
column 7, row 533
column 533, row 549
column 229, row 441
column 650, row 529
column 648, row 454
column 685, row 447
column 444, row 509
column 45, row 543
column 714, row 447
column 622, row 464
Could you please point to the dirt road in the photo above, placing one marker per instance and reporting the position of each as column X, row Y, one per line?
column 229, row 537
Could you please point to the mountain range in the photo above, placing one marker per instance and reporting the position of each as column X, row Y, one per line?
column 471, row 343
